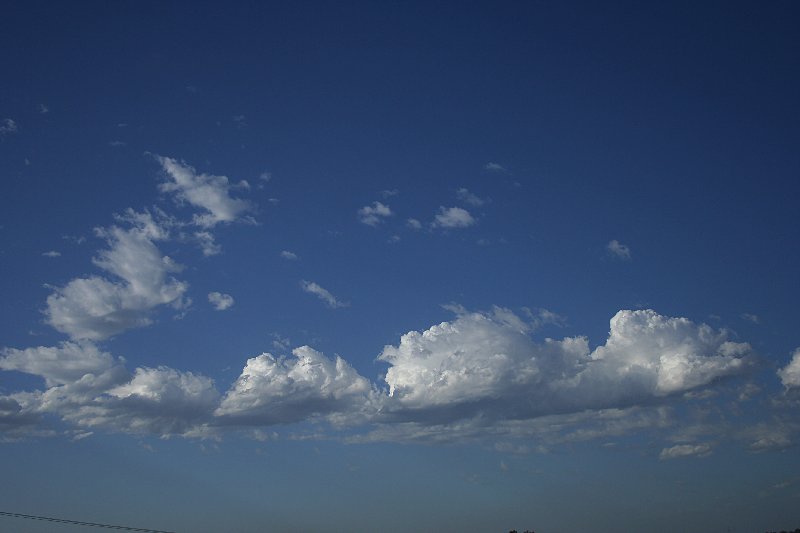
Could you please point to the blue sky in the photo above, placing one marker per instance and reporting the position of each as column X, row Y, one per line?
column 400, row 266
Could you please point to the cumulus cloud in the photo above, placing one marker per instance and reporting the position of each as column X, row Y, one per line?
column 453, row 217
column 685, row 450
column 158, row 400
column 414, row 224
column 96, row 308
column 486, row 364
column 52, row 253
column 274, row 390
column 20, row 418
column 207, row 243
column 291, row 256
column 374, row 214
column 618, row 250
column 204, row 191
column 65, row 363
column 7, row 126
column 321, row 293
column 469, row 198
column 790, row 374
column 480, row 375
column 220, row 301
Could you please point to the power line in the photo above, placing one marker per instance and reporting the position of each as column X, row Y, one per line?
column 76, row 522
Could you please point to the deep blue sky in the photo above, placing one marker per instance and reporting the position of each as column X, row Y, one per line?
column 490, row 176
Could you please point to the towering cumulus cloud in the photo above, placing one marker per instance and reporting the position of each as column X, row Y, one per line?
column 486, row 364
column 274, row 390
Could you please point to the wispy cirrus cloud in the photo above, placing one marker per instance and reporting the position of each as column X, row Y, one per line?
column 685, row 450
column 494, row 167
column 323, row 294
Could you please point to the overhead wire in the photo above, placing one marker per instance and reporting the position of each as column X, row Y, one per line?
column 79, row 523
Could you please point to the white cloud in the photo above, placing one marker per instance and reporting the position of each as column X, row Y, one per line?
column 751, row 318
column 619, row 250
column 467, row 197
column 542, row 317
column 494, row 167
column 478, row 376
column 374, row 214
column 388, row 193
column 161, row 401
column 7, row 126
column 453, row 217
column 68, row 362
column 274, row 390
column 487, row 365
column 207, row 243
column 265, row 177
column 685, row 450
column 220, row 301
column 204, row 191
column 329, row 299
column 43, row 109
column 52, row 253
column 414, row 224
column 291, row 256
column 95, row 307
column 790, row 374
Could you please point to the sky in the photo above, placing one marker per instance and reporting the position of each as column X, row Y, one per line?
column 400, row 266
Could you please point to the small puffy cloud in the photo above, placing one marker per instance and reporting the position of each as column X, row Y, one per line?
column 274, row 390
column 43, row 109
column 65, row 363
column 388, row 193
column 618, row 250
column 790, row 374
column 117, row 144
column 204, row 191
column 52, row 253
column 494, row 167
column 290, row 256
column 469, row 198
column 207, row 243
column 321, row 293
column 372, row 215
column 685, row 450
column 220, row 301
column 453, row 217
column 96, row 308
column 7, row 126
column 265, row 176
column 414, row 224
